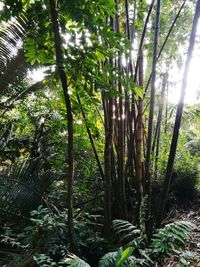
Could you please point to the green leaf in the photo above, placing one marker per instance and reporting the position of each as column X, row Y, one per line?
column 124, row 256
column 100, row 56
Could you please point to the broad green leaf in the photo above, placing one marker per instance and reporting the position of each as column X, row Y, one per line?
column 124, row 256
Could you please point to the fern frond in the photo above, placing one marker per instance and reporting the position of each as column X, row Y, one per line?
column 124, row 231
column 185, row 225
column 170, row 238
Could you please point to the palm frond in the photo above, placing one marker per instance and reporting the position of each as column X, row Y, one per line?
column 11, row 39
column 12, row 61
column 14, row 72
column 22, row 186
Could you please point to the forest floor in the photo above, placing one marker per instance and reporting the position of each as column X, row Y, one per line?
column 190, row 256
column 191, row 251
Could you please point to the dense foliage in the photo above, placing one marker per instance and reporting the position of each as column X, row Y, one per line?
column 92, row 152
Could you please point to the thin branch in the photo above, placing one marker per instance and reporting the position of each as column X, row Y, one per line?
column 91, row 138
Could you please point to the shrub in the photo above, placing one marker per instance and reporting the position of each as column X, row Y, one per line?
column 185, row 180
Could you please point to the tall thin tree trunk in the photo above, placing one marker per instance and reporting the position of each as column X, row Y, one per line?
column 121, row 134
column 121, row 165
column 127, row 20
column 150, row 122
column 166, row 39
column 70, row 148
column 108, row 170
column 133, row 27
column 142, row 38
column 156, row 139
column 157, row 154
column 129, row 117
column 178, row 118
column 152, row 100
column 160, row 110
column 166, row 108
column 139, row 135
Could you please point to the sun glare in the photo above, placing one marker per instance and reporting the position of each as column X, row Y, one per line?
column 193, row 86
column 192, row 94
column 148, row 2
column 36, row 75
column 1, row 5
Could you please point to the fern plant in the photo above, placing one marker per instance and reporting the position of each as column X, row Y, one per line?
column 169, row 239
column 134, row 238
column 124, row 231
column 166, row 241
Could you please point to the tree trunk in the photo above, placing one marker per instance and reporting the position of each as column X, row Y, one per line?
column 157, row 154
column 166, row 108
column 150, row 123
column 142, row 38
column 166, row 39
column 160, row 110
column 139, row 135
column 108, row 170
column 121, row 134
column 179, row 112
column 70, row 149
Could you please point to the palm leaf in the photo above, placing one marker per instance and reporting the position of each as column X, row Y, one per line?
column 22, row 186
column 13, row 67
